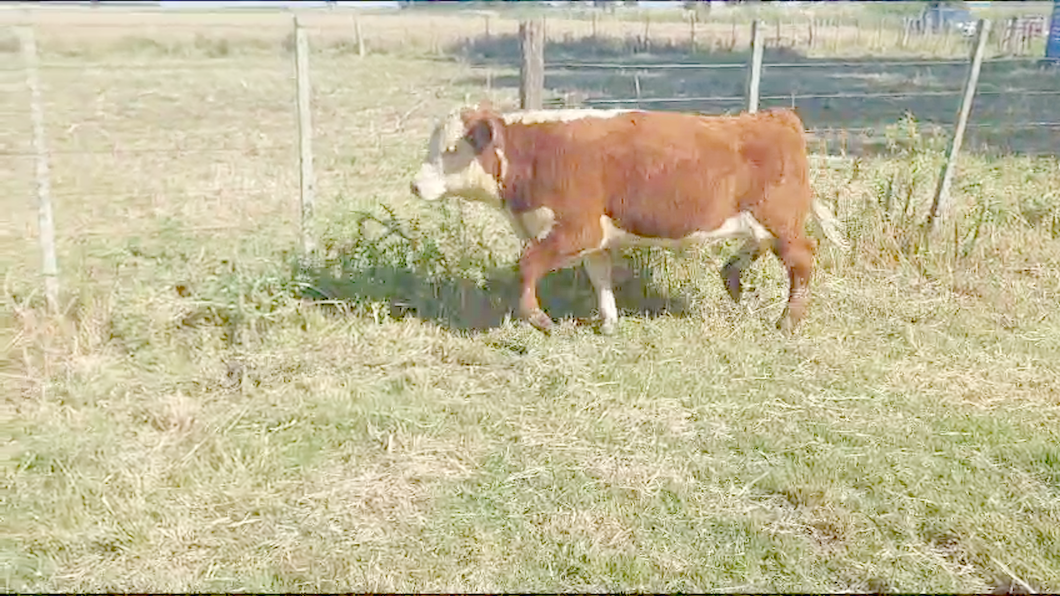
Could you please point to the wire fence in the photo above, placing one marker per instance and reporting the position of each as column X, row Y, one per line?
column 860, row 74
column 139, row 161
column 150, row 147
column 1013, row 94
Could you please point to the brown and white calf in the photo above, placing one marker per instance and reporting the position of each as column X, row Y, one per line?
column 580, row 183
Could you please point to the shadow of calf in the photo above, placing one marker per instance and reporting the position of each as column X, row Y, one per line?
column 458, row 303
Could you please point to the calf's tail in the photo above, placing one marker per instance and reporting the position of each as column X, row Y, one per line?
column 829, row 224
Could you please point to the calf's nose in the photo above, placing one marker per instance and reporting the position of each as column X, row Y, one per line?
column 415, row 189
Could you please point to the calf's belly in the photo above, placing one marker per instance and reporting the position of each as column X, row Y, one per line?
column 741, row 225
column 538, row 223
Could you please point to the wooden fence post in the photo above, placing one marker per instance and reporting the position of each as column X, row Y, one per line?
column 46, row 222
column 305, row 135
column 360, row 38
column 940, row 204
column 646, row 46
column 532, row 66
column 755, row 73
column 692, row 17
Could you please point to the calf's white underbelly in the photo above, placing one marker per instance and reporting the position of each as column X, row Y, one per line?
column 538, row 223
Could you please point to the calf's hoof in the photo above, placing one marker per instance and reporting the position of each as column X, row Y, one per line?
column 540, row 321
column 730, row 274
column 785, row 325
column 608, row 327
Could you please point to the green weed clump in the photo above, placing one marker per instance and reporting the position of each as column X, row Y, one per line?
column 403, row 266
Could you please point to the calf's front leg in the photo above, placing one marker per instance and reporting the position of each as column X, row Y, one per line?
column 598, row 266
column 555, row 251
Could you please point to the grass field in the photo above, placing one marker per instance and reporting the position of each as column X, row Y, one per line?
column 214, row 413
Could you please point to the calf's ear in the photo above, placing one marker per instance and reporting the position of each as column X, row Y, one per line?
column 482, row 133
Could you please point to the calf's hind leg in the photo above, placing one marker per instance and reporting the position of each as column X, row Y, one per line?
column 748, row 254
column 796, row 251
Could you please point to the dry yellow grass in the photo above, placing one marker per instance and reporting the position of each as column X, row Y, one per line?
column 213, row 414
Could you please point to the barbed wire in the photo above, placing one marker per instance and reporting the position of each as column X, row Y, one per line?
column 584, row 17
column 77, row 234
column 816, row 130
column 932, row 127
column 155, row 27
column 66, row 190
column 218, row 63
column 894, row 63
column 788, row 97
column 798, row 96
column 728, row 65
column 628, row 66
column 813, row 131
column 154, row 150
column 283, row 183
column 841, row 129
column 279, row 20
column 213, row 61
column 715, row 98
column 206, row 63
column 1020, row 125
column 883, row 94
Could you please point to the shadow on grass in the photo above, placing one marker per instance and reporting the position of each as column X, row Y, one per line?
column 462, row 304
column 406, row 274
column 859, row 95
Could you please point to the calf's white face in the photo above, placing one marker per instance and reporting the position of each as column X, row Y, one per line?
column 451, row 168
